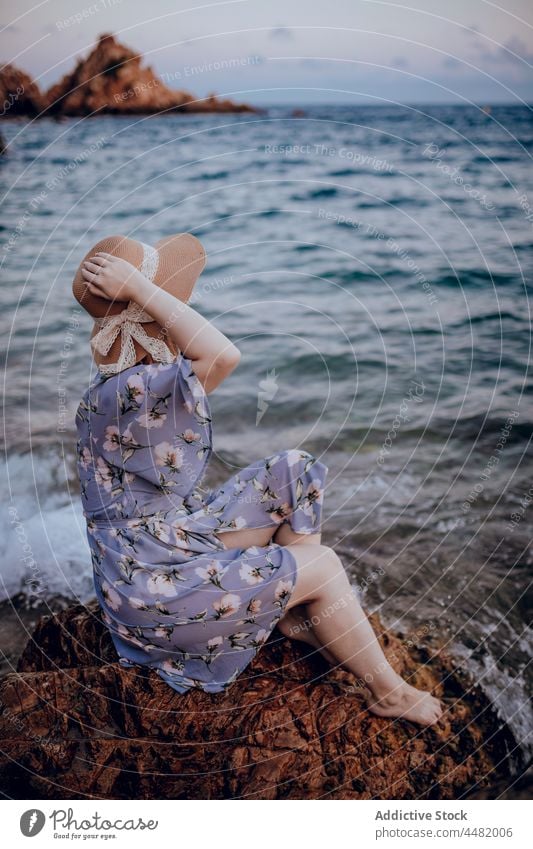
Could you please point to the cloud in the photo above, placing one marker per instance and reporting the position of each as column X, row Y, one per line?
column 399, row 62
column 502, row 54
column 282, row 33
column 451, row 62
column 516, row 45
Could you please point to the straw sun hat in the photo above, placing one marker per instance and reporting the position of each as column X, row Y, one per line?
column 123, row 333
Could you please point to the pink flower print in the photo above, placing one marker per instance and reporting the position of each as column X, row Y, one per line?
column 111, row 597
column 251, row 574
column 238, row 640
column 294, row 456
column 135, row 389
column 173, row 667
column 135, row 641
column 161, row 583
column 283, row 592
column 190, row 436
column 213, row 574
column 226, row 605
column 159, row 529
column 137, row 603
column 114, row 439
column 254, row 606
column 212, row 645
column 279, row 514
column 85, row 458
column 260, row 638
column 253, row 609
column 153, row 418
column 314, row 495
column 103, row 475
column 236, row 524
column 169, row 456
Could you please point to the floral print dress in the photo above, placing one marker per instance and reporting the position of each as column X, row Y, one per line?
column 173, row 597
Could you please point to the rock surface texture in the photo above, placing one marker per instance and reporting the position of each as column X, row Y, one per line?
column 110, row 80
column 75, row 724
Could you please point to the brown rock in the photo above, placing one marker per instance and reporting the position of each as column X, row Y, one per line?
column 19, row 94
column 75, row 724
column 112, row 80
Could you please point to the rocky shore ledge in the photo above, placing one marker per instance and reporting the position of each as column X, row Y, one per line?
column 110, row 80
column 75, row 724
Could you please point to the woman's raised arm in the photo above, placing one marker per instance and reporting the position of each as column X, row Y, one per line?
column 212, row 354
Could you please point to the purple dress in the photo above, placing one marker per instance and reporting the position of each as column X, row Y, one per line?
column 173, row 597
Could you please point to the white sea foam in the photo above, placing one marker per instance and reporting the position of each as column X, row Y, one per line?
column 43, row 545
column 508, row 694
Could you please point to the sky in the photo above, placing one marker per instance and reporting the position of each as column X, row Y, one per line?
column 293, row 51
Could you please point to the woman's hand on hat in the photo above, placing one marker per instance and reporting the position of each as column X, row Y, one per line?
column 111, row 277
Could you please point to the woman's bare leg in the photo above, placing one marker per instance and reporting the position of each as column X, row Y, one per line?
column 341, row 626
column 246, row 537
column 282, row 534
column 286, row 536
column 295, row 623
column 324, row 612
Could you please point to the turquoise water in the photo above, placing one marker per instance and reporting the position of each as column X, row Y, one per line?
column 374, row 265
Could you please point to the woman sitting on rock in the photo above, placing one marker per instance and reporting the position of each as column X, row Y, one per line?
column 191, row 583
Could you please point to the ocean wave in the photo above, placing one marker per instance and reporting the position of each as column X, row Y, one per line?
column 214, row 175
column 306, row 248
column 317, row 194
column 504, row 315
column 496, row 159
column 473, row 277
column 269, row 213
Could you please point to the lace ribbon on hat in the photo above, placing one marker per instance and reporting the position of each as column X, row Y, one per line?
column 129, row 324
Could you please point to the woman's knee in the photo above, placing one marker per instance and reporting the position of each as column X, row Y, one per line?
column 332, row 563
column 318, row 567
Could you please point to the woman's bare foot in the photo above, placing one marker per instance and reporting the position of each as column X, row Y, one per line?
column 406, row 702
column 403, row 701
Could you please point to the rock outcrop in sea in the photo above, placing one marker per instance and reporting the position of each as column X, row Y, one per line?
column 110, row 80
column 75, row 724
column 19, row 94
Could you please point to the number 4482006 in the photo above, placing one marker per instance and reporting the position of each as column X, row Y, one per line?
column 489, row 831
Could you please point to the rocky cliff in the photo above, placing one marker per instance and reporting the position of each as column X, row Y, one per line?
column 75, row 724
column 19, row 94
column 111, row 79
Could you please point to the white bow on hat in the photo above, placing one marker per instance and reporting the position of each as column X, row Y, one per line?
column 129, row 323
